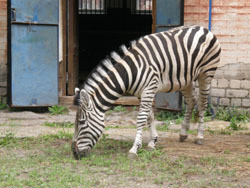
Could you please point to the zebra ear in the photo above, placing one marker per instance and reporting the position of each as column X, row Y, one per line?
column 84, row 97
column 77, row 96
column 77, row 90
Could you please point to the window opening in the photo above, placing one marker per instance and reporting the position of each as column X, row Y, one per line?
column 105, row 6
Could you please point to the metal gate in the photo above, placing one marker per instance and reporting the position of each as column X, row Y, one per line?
column 168, row 14
column 33, row 57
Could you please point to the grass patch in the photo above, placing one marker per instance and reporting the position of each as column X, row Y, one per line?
column 247, row 159
column 47, row 161
column 236, row 117
column 56, row 110
column 117, row 109
column 59, row 124
column 169, row 116
column 3, row 106
column 164, row 127
column 8, row 139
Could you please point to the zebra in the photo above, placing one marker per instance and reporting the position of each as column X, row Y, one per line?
column 167, row 61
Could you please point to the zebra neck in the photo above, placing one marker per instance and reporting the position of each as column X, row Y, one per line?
column 106, row 90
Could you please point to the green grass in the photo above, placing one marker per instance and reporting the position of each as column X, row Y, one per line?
column 247, row 159
column 56, row 110
column 117, row 109
column 168, row 116
column 59, row 124
column 236, row 117
column 3, row 106
column 47, row 161
column 164, row 127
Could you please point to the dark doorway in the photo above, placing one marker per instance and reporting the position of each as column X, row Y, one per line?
column 104, row 25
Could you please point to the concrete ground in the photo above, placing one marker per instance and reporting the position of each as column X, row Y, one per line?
column 121, row 125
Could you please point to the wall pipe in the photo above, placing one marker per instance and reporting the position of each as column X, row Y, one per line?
column 210, row 15
column 209, row 28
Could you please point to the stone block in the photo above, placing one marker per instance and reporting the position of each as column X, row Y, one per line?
column 218, row 92
column 245, row 66
column 224, row 102
column 3, row 91
column 234, row 75
column 247, row 75
column 3, row 84
column 235, row 84
column 219, row 74
column 245, row 84
column 214, row 83
column 237, row 93
column 223, row 83
column 3, row 100
column 236, row 102
column 246, row 102
column 233, row 67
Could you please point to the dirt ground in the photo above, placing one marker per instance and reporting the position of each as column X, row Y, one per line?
column 121, row 125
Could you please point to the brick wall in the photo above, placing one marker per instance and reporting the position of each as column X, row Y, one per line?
column 230, row 23
column 3, row 50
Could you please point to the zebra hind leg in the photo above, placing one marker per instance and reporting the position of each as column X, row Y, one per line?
column 153, row 131
column 204, row 88
column 190, row 102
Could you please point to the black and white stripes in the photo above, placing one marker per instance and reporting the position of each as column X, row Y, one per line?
column 161, row 62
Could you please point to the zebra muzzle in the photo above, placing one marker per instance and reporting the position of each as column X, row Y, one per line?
column 78, row 155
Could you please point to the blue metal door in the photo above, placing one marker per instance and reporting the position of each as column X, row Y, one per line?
column 169, row 14
column 34, row 52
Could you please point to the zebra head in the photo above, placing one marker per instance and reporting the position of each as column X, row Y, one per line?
column 88, row 125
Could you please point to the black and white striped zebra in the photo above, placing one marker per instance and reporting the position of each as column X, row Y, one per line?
column 161, row 62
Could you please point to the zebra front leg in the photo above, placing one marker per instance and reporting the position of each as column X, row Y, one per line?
column 144, row 112
column 190, row 102
column 153, row 132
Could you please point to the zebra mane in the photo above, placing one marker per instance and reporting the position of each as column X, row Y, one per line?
column 105, row 66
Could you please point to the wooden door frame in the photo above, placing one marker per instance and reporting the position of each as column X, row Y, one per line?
column 62, row 64
column 73, row 47
column 70, row 64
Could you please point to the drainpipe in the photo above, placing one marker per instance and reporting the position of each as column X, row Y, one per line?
column 209, row 28
column 210, row 15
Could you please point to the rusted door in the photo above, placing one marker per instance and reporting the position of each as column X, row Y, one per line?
column 33, row 57
column 168, row 14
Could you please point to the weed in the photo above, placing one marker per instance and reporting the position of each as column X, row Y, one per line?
column 227, row 151
column 3, row 106
column 178, row 117
column 119, row 109
column 164, row 127
column 247, row 159
column 229, row 113
column 214, row 161
column 134, row 108
column 55, row 110
column 235, row 124
column 225, row 132
column 59, row 124
column 165, row 115
column 7, row 140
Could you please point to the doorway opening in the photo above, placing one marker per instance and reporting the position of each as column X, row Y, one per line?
column 104, row 25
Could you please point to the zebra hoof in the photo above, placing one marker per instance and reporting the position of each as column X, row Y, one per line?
column 199, row 141
column 132, row 155
column 151, row 146
column 183, row 138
